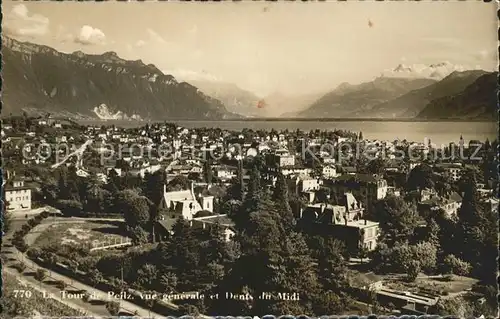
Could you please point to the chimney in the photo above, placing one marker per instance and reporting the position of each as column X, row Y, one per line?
column 365, row 221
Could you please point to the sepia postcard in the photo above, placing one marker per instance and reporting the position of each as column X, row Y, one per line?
column 249, row 158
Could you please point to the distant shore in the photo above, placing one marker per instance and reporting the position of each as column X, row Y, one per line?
column 281, row 119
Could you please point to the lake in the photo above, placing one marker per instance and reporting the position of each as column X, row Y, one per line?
column 437, row 132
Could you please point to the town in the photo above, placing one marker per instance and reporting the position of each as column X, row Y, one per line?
column 351, row 224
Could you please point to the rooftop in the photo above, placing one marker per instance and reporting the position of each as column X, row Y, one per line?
column 221, row 219
column 365, row 178
column 167, row 223
column 362, row 223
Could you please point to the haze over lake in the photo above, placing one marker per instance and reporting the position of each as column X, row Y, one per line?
column 438, row 132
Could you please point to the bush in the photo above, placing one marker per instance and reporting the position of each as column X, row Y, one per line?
column 25, row 228
column 62, row 284
column 413, row 270
column 34, row 253
column 32, row 223
column 40, row 274
column 113, row 308
column 21, row 267
column 45, row 214
column 22, row 246
column 18, row 234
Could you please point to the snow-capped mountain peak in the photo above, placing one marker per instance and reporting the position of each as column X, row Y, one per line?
column 436, row 71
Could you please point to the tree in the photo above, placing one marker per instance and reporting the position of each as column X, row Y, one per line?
column 397, row 218
column 7, row 221
column 138, row 235
column 70, row 207
column 178, row 183
column 376, row 166
column 168, row 282
column 413, row 270
column 61, row 284
column 113, row 308
column 456, row 266
column 114, row 183
column 181, row 252
column 134, row 207
column 216, row 248
column 281, row 200
column 477, row 231
column 329, row 304
column 254, row 186
column 426, row 254
column 332, row 267
column 95, row 276
column 420, row 177
column 40, row 275
column 93, row 196
column 363, row 252
column 21, row 267
column 207, row 169
column 146, row 275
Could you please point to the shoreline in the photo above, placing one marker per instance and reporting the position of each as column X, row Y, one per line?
column 269, row 119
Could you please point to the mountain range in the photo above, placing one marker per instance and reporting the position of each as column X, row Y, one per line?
column 421, row 94
column 477, row 101
column 354, row 100
column 436, row 71
column 38, row 77
column 236, row 99
column 246, row 103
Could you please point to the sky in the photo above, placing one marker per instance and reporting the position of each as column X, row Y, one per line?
column 291, row 48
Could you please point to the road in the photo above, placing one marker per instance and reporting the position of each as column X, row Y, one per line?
column 16, row 256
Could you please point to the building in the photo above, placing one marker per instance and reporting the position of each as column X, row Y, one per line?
column 281, row 158
column 184, row 203
column 491, row 205
column 309, row 184
column 208, row 221
column 18, row 196
column 452, row 169
column 329, row 171
column 450, row 204
column 369, row 188
column 342, row 222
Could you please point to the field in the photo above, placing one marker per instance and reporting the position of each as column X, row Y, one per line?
column 83, row 234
